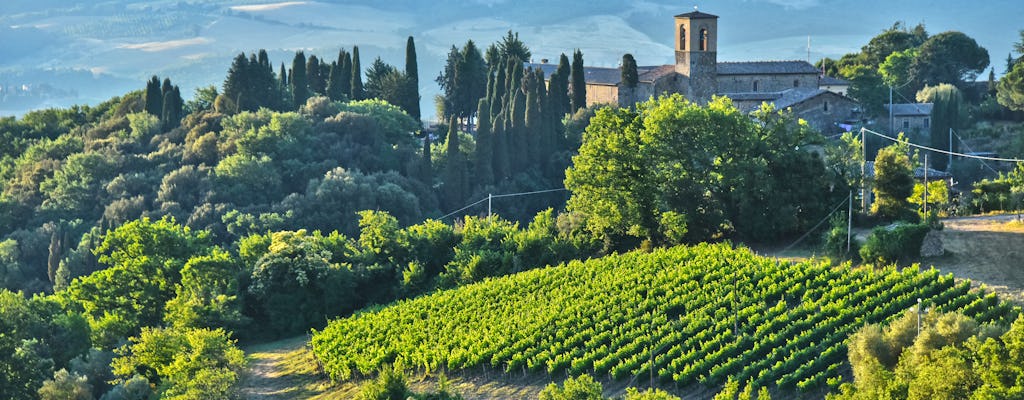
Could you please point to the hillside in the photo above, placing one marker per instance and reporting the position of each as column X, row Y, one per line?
column 709, row 312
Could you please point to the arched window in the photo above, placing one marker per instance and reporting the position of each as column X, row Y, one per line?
column 703, row 39
column 755, row 86
column 796, row 83
column 826, row 106
column 682, row 37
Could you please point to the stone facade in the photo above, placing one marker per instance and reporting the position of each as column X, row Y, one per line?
column 766, row 83
column 699, row 76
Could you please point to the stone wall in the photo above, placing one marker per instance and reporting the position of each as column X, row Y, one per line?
column 765, row 83
column 813, row 111
column 602, row 94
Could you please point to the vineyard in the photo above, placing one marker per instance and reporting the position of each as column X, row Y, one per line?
column 706, row 313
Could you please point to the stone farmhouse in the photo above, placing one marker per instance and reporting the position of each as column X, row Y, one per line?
column 698, row 76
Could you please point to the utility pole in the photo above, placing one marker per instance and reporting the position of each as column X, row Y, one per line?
column 918, row 316
column 892, row 115
column 488, row 205
column 863, row 170
column 849, row 223
column 926, row 185
column 949, row 163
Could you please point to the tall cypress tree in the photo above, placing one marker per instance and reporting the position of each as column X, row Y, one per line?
column 283, row 77
column 561, row 93
column 413, row 74
column 500, row 149
column 426, row 166
column 484, row 145
column 334, row 83
column 533, row 127
column 498, row 95
column 577, row 83
column 317, row 83
column 357, row 77
column 345, row 62
column 299, row 84
column 154, row 99
column 238, row 83
column 520, row 146
column 455, row 167
column 171, row 115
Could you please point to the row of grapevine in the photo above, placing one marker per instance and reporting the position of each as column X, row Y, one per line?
column 699, row 314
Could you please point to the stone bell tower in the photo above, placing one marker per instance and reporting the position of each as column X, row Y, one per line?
column 697, row 54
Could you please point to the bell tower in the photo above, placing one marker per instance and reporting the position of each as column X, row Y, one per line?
column 697, row 54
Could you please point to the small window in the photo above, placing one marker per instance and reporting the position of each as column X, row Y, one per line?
column 927, row 122
column 703, row 39
column 682, row 37
column 755, row 86
column 906, row 124
column 826, row 106
column 796, row 83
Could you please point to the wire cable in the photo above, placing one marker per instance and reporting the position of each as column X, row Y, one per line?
column 496, row 196
column 972, row 151
column 911, row 144
column 834, row 210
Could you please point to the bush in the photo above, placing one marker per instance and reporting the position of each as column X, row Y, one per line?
column 888, row 245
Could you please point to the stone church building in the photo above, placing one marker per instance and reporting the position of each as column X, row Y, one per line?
column 698, row 76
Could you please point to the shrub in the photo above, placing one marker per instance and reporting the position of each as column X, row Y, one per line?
column 888, row 245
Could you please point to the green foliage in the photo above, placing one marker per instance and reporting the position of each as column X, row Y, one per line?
column 866, row 87
column 716, row 312
column 953, row 357
column 65, row 386
column 887, row 245
column 665, row 172
column 136, row 388
column 1011, row 88
column 650, row 394
column 583, row 387
column 893, row 185
column 207, row 296
column 296, row 285
column 144, row 260
column 949, row 57
column 948, row 112
column 390, row 384
column 577, row 83
column 182, row 364
column 630, row 78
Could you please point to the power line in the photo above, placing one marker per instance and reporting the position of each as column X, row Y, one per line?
column 974, row 156
column 972, row 150
column 835, row 209
column 496, row 196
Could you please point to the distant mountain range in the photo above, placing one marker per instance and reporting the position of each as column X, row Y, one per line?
column 86, row 53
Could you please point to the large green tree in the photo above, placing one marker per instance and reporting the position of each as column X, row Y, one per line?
column 665, row 172
column 299, row 82
column 577, row 83
column 1011, row 89
column 947, row 113
column 893, row 183
column 949, row 57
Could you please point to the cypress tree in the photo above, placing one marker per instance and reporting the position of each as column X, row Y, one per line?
column 519, row 145
column 357, row 77
column 154, row 99
column 264, row 61
column 500, row 149
column 427, row 168
column 238, row 82
column 171, row 115
column 299, row 85
column 283, row 77
column 533, row 126
column 497, row 98
column 484, row 144
column 992, row 82
column 577, row 83
column 413, row 74
column 630, row 76
column 345, row 62
column 560, row 86
column 334, row 83
column 455, row 167
column 317, row 84
column 167, row 87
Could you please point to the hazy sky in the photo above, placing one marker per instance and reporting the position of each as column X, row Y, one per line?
column 118, row 44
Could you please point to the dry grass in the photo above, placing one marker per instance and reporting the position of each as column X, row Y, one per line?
column 989, row 251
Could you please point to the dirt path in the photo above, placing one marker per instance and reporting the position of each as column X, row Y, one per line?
column 281, row 370
column 987, row 250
